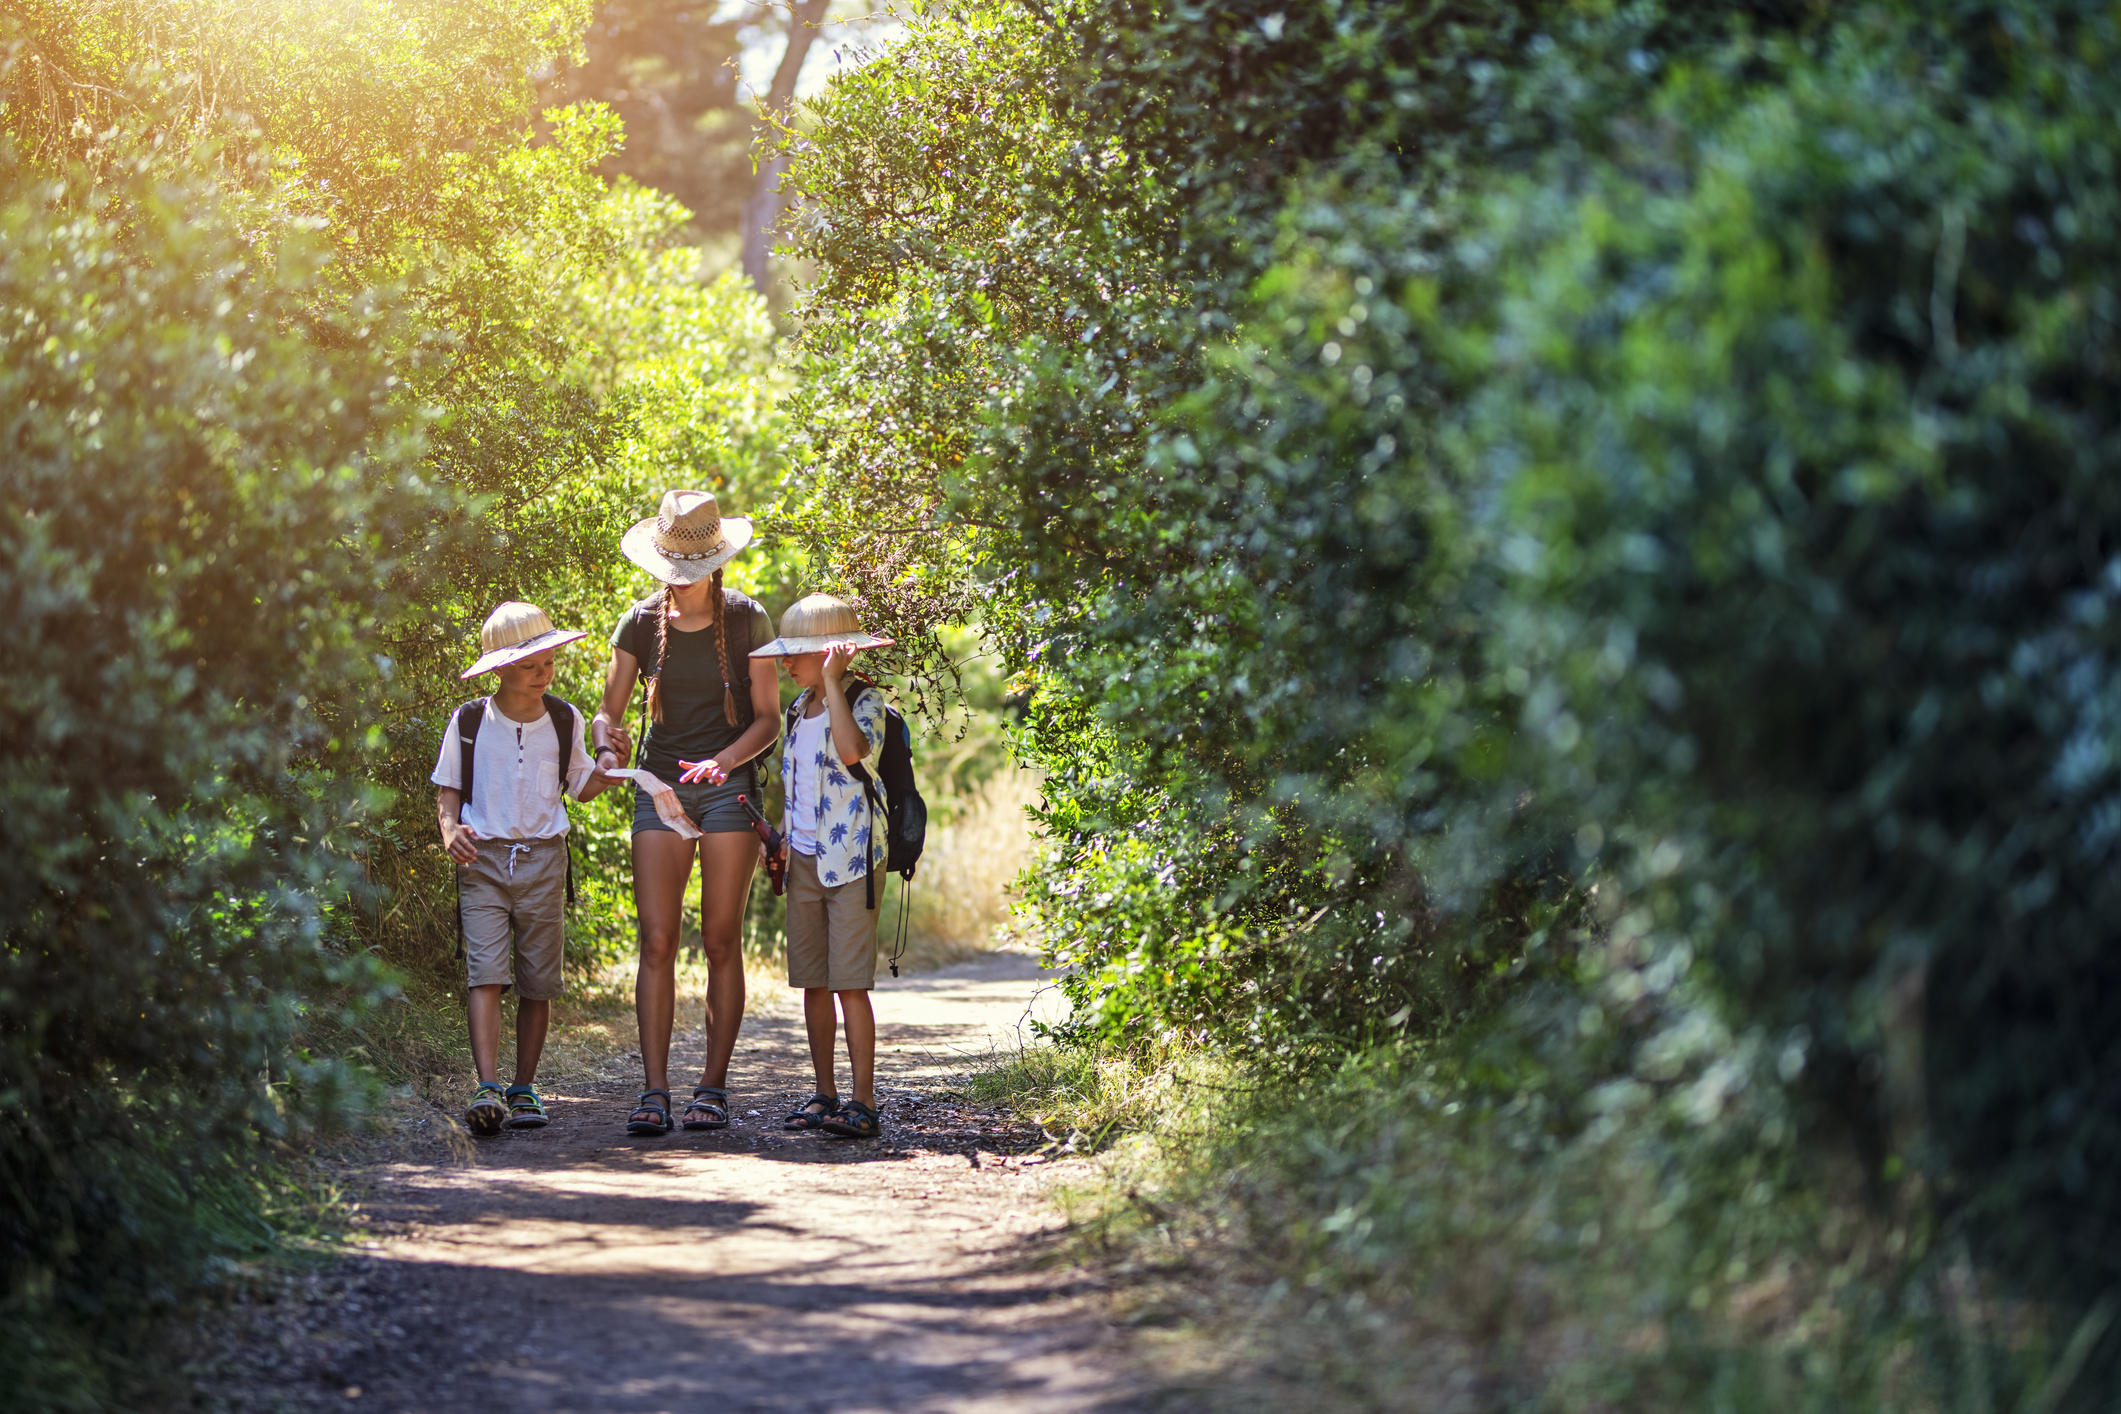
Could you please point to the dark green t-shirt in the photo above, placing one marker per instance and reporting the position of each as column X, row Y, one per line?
column 693, row 726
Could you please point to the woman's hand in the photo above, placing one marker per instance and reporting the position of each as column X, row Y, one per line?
column 709, row 771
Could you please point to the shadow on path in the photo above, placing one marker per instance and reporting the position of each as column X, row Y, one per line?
column 576, row 1269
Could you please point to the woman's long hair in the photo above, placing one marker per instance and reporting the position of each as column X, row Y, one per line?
column 663, row 605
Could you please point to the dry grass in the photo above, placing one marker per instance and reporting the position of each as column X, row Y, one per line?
column 977, row 844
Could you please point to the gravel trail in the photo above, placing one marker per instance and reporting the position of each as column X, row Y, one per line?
column 573, row 1270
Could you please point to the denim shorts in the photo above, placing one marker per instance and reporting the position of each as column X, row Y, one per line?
column 713, row 808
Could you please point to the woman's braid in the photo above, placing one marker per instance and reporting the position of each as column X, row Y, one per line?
column 721, row 653
column 662, row 651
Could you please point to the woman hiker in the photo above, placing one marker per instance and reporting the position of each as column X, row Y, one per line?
column 711, row 710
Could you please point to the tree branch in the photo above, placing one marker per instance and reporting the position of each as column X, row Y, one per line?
column 764, row 207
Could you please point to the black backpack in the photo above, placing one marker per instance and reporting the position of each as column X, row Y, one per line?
column 904, row 812
column 468, row 718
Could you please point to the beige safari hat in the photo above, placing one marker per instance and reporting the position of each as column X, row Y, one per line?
column 687, row 539
column 816, row 622
column 515, row 631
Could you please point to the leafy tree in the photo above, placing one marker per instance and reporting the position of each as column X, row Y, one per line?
column 1580, row 521
column 317, row 349
column 670, row 70
column 534, row 291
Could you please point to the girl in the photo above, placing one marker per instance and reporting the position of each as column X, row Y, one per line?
column 710, row 710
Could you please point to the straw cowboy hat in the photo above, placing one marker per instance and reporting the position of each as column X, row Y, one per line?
column 687, row 539
column 813, row 624
column 515, row 631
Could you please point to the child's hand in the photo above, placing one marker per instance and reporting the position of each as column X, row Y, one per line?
column 709, row 771
column 837, row 659
column 457, row 842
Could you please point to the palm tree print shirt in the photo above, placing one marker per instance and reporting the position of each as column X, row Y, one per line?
column 842, row 827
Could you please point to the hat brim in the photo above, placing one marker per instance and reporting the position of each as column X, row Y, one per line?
column 638, row 545
column 818, row 643
column 502, row 657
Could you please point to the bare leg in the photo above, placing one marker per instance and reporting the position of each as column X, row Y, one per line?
column 727, row 862
column 484, row 1009
column 662, row 866
column 861, row 1044
column 532, row 1021
column 820, row 1021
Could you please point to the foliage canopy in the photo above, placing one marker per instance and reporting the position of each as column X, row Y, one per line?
column 316, row 349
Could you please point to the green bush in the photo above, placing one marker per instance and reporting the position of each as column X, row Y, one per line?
column 1579, row 533
column 208, row 479
column 316, row 348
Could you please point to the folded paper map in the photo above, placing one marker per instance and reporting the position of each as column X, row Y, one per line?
column 665, row 798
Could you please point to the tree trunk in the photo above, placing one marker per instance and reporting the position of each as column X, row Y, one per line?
column 764, row 207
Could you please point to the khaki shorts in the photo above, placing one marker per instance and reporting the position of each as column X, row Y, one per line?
column 831, row 931
column 515, row 892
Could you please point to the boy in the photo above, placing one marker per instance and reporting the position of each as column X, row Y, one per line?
column 523, row 749
column 831, row 844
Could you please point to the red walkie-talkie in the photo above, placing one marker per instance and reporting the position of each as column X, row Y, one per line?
column 776, row 857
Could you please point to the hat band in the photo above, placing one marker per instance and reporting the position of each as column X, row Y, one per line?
column 694, row 555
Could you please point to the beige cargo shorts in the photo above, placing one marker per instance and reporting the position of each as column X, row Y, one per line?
column 515, row 893
column 831, row 931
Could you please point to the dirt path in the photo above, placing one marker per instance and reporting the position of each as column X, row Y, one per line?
column 575, row 1269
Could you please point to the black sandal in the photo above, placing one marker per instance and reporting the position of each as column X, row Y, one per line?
column 854, row 1121
column 803, row 1117
column 658, row 1122
column 716, row 1109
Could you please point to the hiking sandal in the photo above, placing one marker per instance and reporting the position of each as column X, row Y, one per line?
column 487, row 1112
column 803, row 1117
column 650, row 1120
column 854, row 1121
column 525, row 1109
column 716, row 1110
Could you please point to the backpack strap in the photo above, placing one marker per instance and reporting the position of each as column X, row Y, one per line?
column 879, row 818
column 561, row 711
column 857, row 770
column 465, row 721
column 736, row 635
column 640, row 743
column 468, row 719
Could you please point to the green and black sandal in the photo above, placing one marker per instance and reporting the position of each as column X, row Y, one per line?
column 488, row 1110
column 854, row 1121
column 525, row 1109
column 811, row 1113
column 711, row 1104
column 650, row 1120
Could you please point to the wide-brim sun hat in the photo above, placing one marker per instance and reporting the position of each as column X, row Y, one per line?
column 687, row 539
column 514, row 632
column 816, row 622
